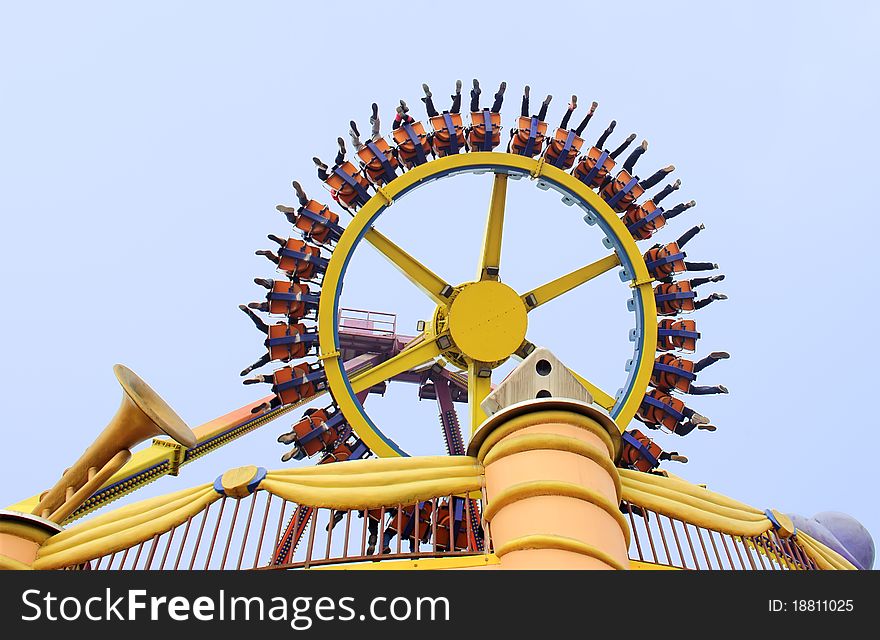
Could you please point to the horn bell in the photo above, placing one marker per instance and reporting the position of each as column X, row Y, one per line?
column 142, row 414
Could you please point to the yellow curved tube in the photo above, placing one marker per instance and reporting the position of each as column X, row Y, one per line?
column 686, row 487
column 141, row 521
column 562, row 543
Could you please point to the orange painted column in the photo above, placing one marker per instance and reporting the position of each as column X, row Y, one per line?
column 552, row 490
column 21, row 536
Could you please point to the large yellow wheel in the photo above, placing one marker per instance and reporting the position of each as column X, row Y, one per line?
column 478, row 325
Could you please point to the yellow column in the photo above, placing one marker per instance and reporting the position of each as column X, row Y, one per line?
column 552, row 490
column 21, row 536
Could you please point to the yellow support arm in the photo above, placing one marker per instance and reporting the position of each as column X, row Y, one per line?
column 478, row 389
column 555, row 288
column 402, row 362
column 490, row 260
column 417, row 273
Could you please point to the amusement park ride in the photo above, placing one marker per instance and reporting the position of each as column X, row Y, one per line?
column 549, row 472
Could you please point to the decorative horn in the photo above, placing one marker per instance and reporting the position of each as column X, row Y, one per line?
column 142, row 415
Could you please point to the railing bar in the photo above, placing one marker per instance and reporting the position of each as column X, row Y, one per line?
column 784, row 552
column 137, row 556
column 216, row 530
column 634, row 531
column 98, row 563
column 726, row 550
column 681, row 558
column 797, row 552
column 435, row 516
column 399, row 526
column 650, row 537
column 231, row 531
column 703, row 545
column 663, row 538
column 329, row 533
column 745, row 547
column 183, row 542
column 312, row 526
column 198, row 541
column 416, row 541
column 715, row 548
column 298, row 518
column 112, row 557
column 124, row 556
column 690, row 544
column 347, row 527
column 451, row 524
column 469, row 524
column 758, row 553
column 380, row 531
column 278, row 530
column 735, row 548
column 152, row 551
column 247, row 530
column 635, row 534
column 366, row 525
column 168, row 547
column 263, row 529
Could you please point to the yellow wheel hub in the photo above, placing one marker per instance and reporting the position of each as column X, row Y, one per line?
column 487, row 321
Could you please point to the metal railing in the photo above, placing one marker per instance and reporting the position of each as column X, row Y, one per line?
column 250, row 534
column 661, row 540
column 373, row 323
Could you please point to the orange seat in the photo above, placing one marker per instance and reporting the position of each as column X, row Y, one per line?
column 665, row 261
column 672, row 373
column 594, row 167
column 313, row 432
column 378, row 161
column 528, row 137
column 643, row 220
column 292, row 384
column 341, row 453
column 563, row 149
column 412, row 153
column 290, row 350
column 677, row 334
column 622, row 191
column 300, row 258
column 443, row 140
column 294, row 309
column 639, row 451
column 674, row 297
column 661, row 410
column 477, row 131
column 350, row 191
column 313, row 229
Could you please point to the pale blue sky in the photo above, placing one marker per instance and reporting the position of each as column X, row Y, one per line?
column 144, row 148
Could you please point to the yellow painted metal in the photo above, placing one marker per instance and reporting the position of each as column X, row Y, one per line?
column 403, row 361
column 604, row 400
column 360, row 226
column 487, row 321
column 478, row 389
column 637, row 565
column 555, row 288
column 415, row 271
column 491, row 256
column 423, row 564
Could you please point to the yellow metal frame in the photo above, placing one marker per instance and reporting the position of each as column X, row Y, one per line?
column 501, row 164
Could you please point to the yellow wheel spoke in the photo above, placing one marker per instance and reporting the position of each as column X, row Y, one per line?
column 478, row 389
column 555, row 288
column 490, row 260
column 425, row 279
column 407, row 359
column 601, row 398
